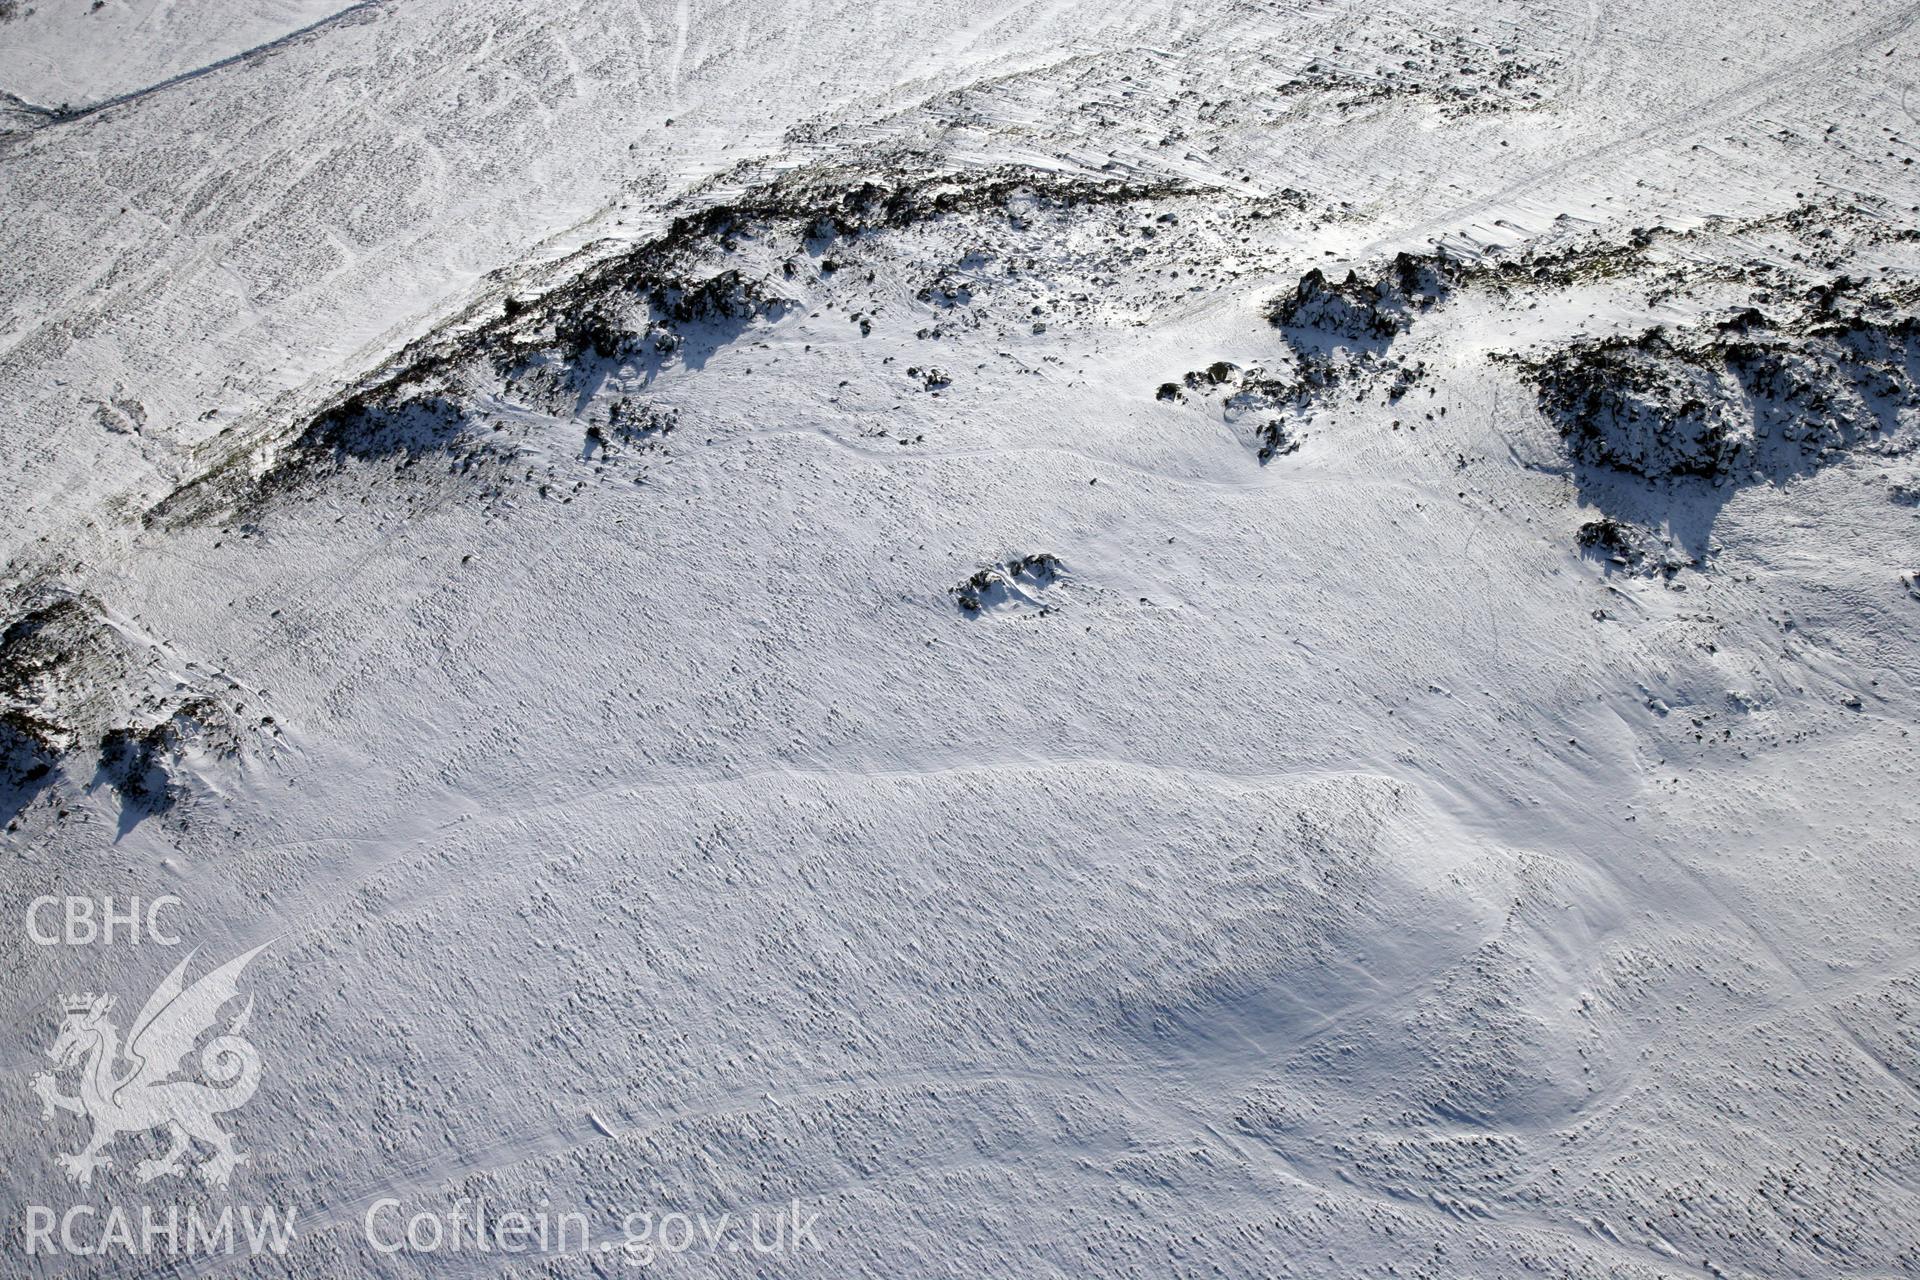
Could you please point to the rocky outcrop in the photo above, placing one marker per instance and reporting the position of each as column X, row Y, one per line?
column 1748, row 397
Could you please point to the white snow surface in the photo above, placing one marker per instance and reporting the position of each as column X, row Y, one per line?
column 1325, row 865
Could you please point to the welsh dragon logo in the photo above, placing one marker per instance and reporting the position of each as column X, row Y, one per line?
column 133, row 1088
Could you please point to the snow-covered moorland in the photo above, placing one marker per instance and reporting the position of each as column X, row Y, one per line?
column 1057, row 639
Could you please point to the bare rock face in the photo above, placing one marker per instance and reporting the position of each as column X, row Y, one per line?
column 26, row 757
column 148, row 763
column 58, row 668
column 1358, row 309
column 1642, row 405
column 77, row 689
column 1749, row 398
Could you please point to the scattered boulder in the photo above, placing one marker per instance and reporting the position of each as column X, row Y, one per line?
column 1022, row 583
column 930, row 378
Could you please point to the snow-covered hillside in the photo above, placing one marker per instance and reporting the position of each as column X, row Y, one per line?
column 1083, row 639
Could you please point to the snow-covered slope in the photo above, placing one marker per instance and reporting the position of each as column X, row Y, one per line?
column 74, row 55
column 1121, row 640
